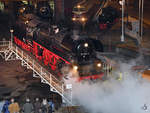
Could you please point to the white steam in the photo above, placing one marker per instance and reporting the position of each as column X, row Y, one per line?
column 113, row 96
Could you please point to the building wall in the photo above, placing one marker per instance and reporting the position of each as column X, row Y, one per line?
column 63, row 9
column 59, row 10
column 68, row 4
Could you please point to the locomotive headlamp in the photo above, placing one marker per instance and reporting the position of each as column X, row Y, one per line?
column 74, row 19
column 11, row 30
column 99, row 64
column 83, row 19
column 86, row 45
column 78, row 6
column 75, row 67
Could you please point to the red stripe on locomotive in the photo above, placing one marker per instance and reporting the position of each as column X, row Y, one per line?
column 22, row 44
column 48, row 57
column 99, row 76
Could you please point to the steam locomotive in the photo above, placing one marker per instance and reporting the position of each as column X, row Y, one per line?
column 109, row 17
column 105, row 20
column 58, row 47
column 42, row 9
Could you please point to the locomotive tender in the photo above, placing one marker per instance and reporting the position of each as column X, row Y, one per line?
column 57, row 47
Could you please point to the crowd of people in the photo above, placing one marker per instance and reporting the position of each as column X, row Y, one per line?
column 37, row 106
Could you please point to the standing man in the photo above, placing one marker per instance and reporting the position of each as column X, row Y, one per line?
column 14, row 106
column 28, row 107
column 2, row 102
column 51, row 106
column 5, row 107
column 37, row 106
column 45, row 106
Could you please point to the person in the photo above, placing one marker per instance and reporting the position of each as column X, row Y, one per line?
column 44, row 106
column 2, row 102
column 37, row 106
column 14, row 107
column 51, row 106
column 28, row 106
column 5, row 107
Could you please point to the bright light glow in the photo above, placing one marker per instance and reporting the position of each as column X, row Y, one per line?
column 86, row 45
column 26, row 22
column 83, row 19
column 75, row 67
column 74, row 19
column 24, row 8
column 121, row 2
column 78, row 6
column 11, row 30
column 99, row 65
column 57, row 30
column 25, row 2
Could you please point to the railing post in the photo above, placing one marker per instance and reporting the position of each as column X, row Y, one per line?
column 33, row 64
column 27, row 58
column 28, row 62
column 16, row 49
column 22, row 54
column 62, row 87
column 16, row 52
column 9, row 44
column 4, row 42
column 41, row 70
column 11, row 31
column 50, row 78
column 22, row 58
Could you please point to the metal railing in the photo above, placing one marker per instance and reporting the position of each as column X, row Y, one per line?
column 32, row 63
column 4, row 43
column 42, row 72
column 107, row 62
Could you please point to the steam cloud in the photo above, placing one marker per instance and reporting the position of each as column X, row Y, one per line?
column 112, row 96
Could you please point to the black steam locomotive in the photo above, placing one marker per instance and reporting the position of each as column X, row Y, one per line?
column 42, row 9
column 109, row 17
column 57, row 47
